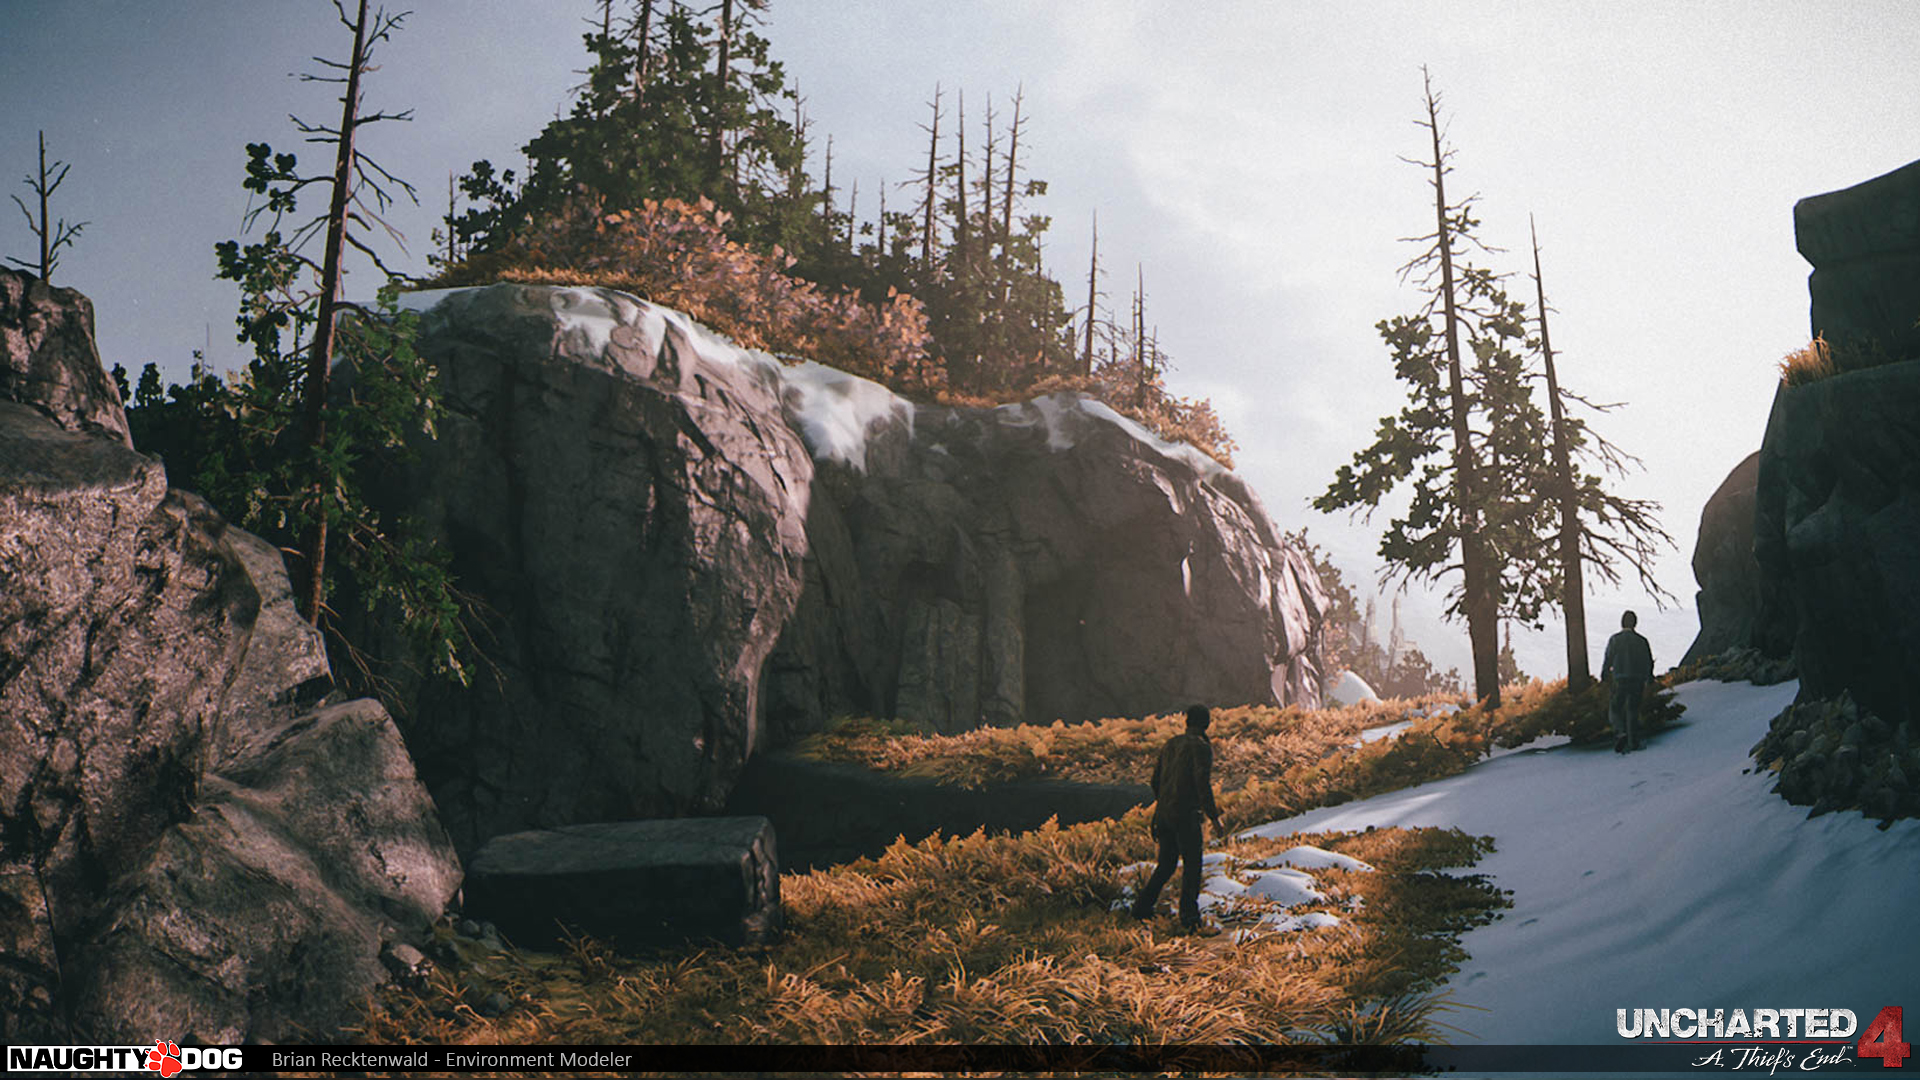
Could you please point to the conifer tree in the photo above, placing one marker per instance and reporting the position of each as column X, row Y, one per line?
column 1456, row 520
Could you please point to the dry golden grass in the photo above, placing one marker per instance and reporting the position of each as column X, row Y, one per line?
column 1003, row 940
column 1011, row 939
column 1809, row 363
column 1250, row 742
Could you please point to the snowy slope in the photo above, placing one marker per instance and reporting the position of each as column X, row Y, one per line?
column 1664, row 879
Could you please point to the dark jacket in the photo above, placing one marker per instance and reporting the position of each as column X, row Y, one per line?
column 1628, row 657
column 1183, row 780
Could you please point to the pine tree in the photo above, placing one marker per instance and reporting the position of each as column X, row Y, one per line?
column 673, row 108
column 1458, row 517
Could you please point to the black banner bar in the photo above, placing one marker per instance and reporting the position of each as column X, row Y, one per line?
column 1408, row 1060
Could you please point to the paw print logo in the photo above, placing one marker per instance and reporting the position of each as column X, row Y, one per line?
column 164, row 1059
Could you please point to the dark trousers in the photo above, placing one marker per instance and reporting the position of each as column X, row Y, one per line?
column 1624, row 711
column 1179, row 842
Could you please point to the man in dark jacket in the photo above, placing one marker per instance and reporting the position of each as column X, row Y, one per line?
column 1629, row 664
column 1183, row 795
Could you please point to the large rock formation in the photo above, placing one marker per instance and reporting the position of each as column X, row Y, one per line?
column 1729, row 598
column 647, row 510
column 1837, row 520
column 1041, row 561
column 621, row 492
column 191, row 842
column 1837, row 534
column 1864, row 244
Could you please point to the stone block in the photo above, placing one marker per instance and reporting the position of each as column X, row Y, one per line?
column 631, row 883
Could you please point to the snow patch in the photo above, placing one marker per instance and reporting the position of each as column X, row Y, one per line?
column 836, row 411
column 1194, row 459
column 1350, row 689
column 1308, row 857
column 1670, row 876
column 1384, row 731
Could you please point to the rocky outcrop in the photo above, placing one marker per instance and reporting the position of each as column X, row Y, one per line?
column 191, row 841
column 621, row 493
column 1864, row 244
column 1837, row 518
column 48, row 360
column 1729, row 598
column 1040, row 561
column 647, row 511
column 1837, row 534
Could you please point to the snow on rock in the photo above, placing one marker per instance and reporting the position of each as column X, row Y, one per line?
column 1285, row 887
column 1668, row 878
column 835, row 411
column 1350, row 689
column 1256, row 896
column 1384, row 731
column 1308, row 857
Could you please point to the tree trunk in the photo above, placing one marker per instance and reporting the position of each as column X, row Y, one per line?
column 641, row 45
column 718, row 149
column 1573, row 601
column 933, row 169
column 960, row 184
column 1093, row 275
column 320, row 360
column 1479, row 576
column 1006, row 199
column 46, row 223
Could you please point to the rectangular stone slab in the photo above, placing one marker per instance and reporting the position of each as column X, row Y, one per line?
column 631, row 883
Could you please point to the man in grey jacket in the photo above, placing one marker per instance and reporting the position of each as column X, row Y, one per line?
column 1629, row 664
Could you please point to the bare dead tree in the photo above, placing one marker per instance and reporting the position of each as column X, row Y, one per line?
column 53, row 235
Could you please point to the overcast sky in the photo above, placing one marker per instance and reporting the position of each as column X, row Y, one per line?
column 1243, row 154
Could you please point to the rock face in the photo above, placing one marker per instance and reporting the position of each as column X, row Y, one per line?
column 1837, row 534
column 48, row 359
column 1864, row 244
column 649, row 511
column 1041, row 561
column 1729, row 598
column 622, row 494
column 632, row 883
column 191, row 843
column 1837, row 518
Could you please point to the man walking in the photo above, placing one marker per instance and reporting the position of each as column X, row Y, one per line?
column 1629, row 664
column 1183, row 795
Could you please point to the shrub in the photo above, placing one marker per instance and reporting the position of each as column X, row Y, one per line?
column 678, row 255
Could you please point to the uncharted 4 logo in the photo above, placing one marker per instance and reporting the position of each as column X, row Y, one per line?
column 1881, row 1039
